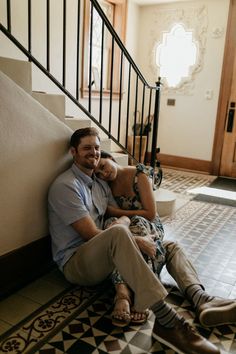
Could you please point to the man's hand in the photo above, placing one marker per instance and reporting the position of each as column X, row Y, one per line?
column 146, row 245
column 123, row 220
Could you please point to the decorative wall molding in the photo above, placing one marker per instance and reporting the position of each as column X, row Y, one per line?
column 194, row 18
column 217, row 32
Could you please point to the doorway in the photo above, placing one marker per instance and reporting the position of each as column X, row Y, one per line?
column 224, row 150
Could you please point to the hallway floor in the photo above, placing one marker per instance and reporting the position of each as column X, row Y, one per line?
column 51, row 316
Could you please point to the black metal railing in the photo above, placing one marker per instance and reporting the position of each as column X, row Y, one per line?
column 133, row 125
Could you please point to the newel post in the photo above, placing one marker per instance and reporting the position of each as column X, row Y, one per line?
column 155, row 123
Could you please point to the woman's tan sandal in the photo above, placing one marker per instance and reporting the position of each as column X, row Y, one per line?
column 121, row 314
column 139, row 317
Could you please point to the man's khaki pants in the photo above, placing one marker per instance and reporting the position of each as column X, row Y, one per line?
column 115, row 248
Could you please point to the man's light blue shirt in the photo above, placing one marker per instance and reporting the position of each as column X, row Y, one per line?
column 72, row 196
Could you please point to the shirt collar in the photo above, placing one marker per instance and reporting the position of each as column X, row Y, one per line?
column 81, row 175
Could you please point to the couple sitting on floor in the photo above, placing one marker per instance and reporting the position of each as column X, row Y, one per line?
column 88, row 248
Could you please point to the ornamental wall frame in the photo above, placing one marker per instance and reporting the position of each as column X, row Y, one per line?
column 192, row 19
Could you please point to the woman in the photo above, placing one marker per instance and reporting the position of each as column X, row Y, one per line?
column 132, row 189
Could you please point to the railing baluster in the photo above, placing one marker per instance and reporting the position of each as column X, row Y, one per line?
column 64, row 45
column 101, row 73
column 9, row 15
column 148, row 122
column 142, row 125
column 48, row 34
column 120, row 94
column 127, row 112
column 155, row 123
column 90, row 58
column 111, row 84
column 29, row 26
column 78, row 51
column 135, row 113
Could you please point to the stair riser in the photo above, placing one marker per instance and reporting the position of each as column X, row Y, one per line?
column 75, row 123
column 19, row 71
column 54, row 103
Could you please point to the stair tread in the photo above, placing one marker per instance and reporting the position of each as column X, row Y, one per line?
column 47, row 94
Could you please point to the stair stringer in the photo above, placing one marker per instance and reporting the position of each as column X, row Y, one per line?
column 34, row 150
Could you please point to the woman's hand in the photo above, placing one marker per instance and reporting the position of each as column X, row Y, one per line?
column 146, row 245
column 124, row 220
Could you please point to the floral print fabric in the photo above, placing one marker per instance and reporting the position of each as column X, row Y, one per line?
column 140, row 226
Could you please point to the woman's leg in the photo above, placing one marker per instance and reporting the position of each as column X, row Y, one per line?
column 179, row 266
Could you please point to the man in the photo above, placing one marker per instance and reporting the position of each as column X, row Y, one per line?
column 87, row 254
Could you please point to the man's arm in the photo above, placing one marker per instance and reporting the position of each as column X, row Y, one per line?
column 86, row 228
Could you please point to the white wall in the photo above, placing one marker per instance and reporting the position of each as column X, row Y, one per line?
column 187, row 129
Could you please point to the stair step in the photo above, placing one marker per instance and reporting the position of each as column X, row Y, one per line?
column 19, row 71
column 165, row 201
column 77, row 123
column 55, row 103
column 106, row 144
column 121, row 159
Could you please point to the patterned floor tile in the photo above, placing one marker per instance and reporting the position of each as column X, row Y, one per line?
column 182, row 182
column 99, row 336
column 35, row 329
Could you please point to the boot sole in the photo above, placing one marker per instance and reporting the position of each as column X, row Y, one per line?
column 169, row 345
column 218, row 316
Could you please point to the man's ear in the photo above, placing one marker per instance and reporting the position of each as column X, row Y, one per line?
column 73, row 151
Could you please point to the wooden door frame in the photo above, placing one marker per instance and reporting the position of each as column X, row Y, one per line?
column 225, row 88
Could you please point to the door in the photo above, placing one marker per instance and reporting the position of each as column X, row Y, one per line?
column 228, row 157
column 224, row 149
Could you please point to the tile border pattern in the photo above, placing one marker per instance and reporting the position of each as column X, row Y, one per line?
column 49, row 319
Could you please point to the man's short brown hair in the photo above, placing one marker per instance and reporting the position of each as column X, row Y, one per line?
column 81, row 133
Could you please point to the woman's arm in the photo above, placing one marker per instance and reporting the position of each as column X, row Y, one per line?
column 147, row 199
column 147, row 196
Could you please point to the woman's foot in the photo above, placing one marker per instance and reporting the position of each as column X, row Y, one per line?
column 139, row 317
column 121, row 312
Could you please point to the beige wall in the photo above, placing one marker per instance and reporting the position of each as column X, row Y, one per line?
column 34, row 149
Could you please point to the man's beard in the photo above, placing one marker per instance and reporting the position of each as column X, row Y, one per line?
column 91, row 164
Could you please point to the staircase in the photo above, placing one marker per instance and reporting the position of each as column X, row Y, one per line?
column 21, row 72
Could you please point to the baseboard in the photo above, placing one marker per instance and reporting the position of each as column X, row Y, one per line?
column 25, row 264
column 184, row 163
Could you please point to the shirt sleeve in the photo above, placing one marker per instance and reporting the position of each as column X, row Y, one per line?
column 68, row 203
